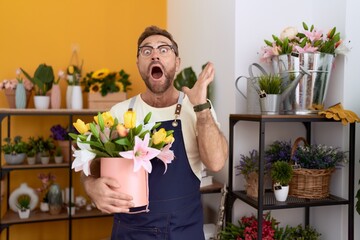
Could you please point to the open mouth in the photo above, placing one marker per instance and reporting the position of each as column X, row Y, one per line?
column 156, row 72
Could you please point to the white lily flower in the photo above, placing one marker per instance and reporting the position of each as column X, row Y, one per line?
column 83, row 157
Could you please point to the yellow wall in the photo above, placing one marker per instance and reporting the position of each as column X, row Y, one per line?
column 44, row 31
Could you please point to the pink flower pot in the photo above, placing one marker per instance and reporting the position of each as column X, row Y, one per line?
column 132, row 183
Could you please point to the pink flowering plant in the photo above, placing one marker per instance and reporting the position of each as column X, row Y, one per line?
column 107, row 137
column 247, row 229
column 309, row 40
column 46, row 181
column 12, row 83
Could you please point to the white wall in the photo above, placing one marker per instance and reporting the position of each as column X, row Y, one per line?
column 230, row 33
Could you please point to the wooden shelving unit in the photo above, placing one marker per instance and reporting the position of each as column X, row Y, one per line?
column 11, row 218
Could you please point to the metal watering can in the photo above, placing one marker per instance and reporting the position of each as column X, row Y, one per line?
column 252, row 89
column 255, row 95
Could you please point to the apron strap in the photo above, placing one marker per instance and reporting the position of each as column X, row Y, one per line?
column 178, row 105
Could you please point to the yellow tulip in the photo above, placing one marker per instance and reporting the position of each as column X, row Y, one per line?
column 130, row 119
column 108, row 119
column 159, row 136
column 70, row 69
column 81, row 127
column 169, row 139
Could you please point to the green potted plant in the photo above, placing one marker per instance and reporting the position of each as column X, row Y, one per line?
column 43, row 147
column 249, row 168
column 58, row 157
column 271, row 88
column 23, row 204
column 14, row 151
column 270, row 83
column 302, row 233
column 281, row 174
column 43, row 80
column 31, row 156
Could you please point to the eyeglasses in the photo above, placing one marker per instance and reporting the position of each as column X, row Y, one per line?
column 163, row 50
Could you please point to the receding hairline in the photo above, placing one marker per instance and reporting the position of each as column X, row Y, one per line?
column 154, row 30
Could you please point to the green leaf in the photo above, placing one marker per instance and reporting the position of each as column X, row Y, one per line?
column 305, row 26
column 267, row 42
column 101, row 122
column 94, row 130
column 147, row 118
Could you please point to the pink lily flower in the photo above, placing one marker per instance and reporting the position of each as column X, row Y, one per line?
column 166, row 155
column 268, row 52
column 314, row 35
column 307, row 49
column 142, row 154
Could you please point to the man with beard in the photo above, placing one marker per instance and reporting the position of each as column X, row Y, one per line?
column 175, row 210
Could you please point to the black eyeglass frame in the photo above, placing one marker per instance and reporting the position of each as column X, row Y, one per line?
column 162, row 45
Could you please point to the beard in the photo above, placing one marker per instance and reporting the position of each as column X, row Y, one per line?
column 158, row 87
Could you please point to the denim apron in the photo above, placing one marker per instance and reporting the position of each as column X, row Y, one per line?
column 175, row 210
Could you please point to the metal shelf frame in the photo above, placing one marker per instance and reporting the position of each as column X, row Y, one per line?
column 266, row 201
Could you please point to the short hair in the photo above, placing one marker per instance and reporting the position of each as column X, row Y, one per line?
column 154, row 30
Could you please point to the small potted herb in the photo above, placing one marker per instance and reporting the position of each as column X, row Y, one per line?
column 281, row 174
column 58, row 157
column 23, row 204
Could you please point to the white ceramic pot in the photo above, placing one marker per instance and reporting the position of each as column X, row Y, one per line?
column 13, row 159
column 44, row 206
column 58, row 159
column 42, row 102
column 76, row 98
column 24, row 214
column 31, row 160
column 71, row 210
column 45, row 160
column 281, row 192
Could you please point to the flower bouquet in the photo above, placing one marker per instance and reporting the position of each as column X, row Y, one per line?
column 310, row 40
column 127, row 143
column 312, row 50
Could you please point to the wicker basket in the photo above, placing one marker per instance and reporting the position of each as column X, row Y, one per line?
column 309, row 183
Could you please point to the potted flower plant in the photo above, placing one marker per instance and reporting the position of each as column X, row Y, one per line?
column 9, row 87
column 249, row 167
column 278, row 151
column 61, row 135
column 247, row 228
column 313, row 164
column 116, row 142
column 105, row 84
column 14, row 152
column 311, row 49
column 46, row 181
column 281, row 174
column 23, row 204
column 43, row 80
